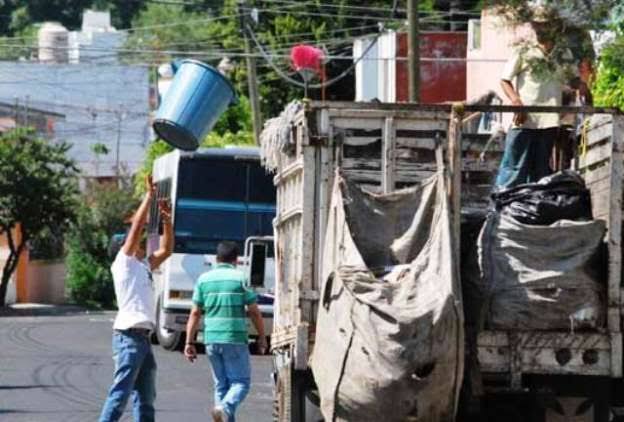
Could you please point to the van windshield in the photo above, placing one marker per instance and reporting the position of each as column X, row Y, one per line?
column 221, row 199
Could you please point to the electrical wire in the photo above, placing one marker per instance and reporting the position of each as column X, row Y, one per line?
column 336, row 16
column 301, row 84
column 218, row 54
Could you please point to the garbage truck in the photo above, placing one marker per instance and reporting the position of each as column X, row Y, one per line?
column 381, row 217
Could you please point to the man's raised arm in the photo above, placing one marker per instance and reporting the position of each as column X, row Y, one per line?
column 138, row 220
column 166, row 240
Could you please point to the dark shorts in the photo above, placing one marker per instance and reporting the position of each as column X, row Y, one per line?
column 527, row 156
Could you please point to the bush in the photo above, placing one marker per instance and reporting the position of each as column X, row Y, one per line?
column 101, row 214
column 609, row 87
column 49, row 244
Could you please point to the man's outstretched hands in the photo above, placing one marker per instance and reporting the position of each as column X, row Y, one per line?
column 164, row 207
column 150, row 187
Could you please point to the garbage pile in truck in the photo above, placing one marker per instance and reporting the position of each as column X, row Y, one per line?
column 538, row 253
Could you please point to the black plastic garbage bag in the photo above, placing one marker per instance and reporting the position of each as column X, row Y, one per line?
column 561, row 196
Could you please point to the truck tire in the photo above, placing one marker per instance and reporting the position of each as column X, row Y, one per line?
column 169, row 340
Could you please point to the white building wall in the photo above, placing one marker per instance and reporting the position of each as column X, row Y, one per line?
column 375, row 75
column 487, row 53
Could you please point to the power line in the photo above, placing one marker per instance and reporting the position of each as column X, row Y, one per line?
column 217, row 54
column 301, row 84
column 280, row 37
column 336, row 16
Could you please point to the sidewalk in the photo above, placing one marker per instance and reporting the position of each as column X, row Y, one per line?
column 39, row 309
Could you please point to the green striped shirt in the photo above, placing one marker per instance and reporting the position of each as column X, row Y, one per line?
column 222, row 295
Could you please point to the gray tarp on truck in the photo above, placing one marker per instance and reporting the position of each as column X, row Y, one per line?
column 540, row 277
column 389, row 335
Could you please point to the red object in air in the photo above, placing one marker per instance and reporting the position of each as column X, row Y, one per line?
column 306, row 58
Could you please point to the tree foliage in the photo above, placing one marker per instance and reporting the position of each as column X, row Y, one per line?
column 281, row 25
column 609, row 86
column 17, row 15
column 38, row 191
column 576, row 13
column 102, row 211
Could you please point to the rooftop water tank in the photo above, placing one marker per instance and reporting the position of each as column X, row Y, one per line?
column 53, row 43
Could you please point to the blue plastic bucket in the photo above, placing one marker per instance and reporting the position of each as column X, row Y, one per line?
column 195, row 100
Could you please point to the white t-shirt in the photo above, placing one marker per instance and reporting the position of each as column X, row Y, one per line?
column 534, row 89
column 135, row 293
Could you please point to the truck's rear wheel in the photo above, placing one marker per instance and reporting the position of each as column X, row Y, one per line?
column 168, row 339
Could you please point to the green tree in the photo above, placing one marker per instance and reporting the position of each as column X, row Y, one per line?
column 608, row 89
column 214, row 32
column 609, row 86
column 37, row 192
column 17, row 15
column 102, row 212
column 21, row 46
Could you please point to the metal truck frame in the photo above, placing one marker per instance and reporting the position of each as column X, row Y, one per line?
column 389, row 146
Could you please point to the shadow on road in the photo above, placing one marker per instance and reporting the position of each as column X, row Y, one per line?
column 33, row 310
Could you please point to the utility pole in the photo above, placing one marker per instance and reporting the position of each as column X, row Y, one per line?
column 413, row 48
column 252, row 79
column 455, row 16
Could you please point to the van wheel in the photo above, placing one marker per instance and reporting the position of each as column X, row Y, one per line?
column 169, row 340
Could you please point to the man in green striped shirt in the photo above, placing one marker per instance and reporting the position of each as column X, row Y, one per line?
column 222, row 297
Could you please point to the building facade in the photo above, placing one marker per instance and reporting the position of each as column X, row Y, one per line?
column 105, row 103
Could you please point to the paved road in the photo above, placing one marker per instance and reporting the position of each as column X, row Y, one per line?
column 58, row 369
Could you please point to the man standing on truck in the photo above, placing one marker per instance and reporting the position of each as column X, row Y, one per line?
column 540, row 72
column 222, row 296
column 135, row 367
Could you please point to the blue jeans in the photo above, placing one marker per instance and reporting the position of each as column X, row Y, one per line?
column 231, row 373
column 135, row 373
column 527, row 156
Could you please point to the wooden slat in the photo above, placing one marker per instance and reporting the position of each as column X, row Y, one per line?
column 353, row 122
column 414, row 115
column 358, row 141
column 430, row 144
column 360, row 163
column 596, row 175
column 422, row 124
column 601, row 200
column 615, row 226
column 599, row 134
column 596, row 155
column 597, row 120
column 363, row 176
column 387, row 156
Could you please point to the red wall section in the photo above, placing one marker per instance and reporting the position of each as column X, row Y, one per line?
column 439, row 81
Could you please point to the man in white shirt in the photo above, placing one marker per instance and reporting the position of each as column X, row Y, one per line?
column 540, row 73
column 135, row 367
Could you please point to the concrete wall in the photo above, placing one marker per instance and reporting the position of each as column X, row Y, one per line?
column 34, row 281
column 46, row 282
column 487, row 60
